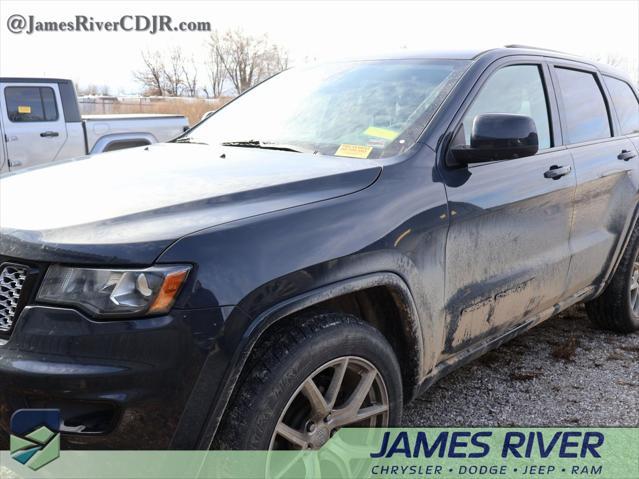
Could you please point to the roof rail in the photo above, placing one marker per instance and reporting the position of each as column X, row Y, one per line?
column 528, row 47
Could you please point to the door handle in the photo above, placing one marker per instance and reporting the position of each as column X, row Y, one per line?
column 555, row 172
column 49, row 134
column 626, row 155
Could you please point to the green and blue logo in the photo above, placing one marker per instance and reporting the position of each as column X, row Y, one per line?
column 35, row 437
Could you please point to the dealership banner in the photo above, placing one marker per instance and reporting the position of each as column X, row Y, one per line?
column 353, row 453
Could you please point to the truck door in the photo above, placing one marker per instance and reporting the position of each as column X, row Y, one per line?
column 4, row 166
column 33, row 123
column 507, row 252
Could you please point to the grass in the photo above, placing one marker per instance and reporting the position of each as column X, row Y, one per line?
column 193, row 109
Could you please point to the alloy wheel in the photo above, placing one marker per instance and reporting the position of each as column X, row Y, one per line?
column 347, row 391
column 634, row 288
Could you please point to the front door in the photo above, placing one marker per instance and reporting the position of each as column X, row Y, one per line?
column 507, row 253
column 34, row 125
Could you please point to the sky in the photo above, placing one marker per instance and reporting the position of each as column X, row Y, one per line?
column 313, row 31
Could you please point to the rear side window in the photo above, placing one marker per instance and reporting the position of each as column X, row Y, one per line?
column 585, row 109
column 28, row 104
column 626, row 105
column 516, row 89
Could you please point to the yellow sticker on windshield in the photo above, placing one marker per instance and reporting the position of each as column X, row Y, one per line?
column 381, row 133
column 24, row 109
column 354, row 151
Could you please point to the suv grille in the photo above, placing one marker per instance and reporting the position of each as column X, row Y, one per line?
column 12, row 279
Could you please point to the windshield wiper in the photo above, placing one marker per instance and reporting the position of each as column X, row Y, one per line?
column 188, row 139
column 266, row 146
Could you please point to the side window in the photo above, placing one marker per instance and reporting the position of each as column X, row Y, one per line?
column 516, row 89
column 49, row 105
column 626, row 105
column 586, row 112
column 28, row 104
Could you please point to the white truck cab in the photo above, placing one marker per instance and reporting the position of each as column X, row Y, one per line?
column 40, row 122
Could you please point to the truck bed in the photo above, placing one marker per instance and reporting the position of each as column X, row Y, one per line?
column 153, row 127
column 129, row 116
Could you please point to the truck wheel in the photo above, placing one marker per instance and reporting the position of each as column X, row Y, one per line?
column 617, row 309
column 305, row 382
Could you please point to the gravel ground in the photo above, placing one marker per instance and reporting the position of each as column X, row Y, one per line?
column 564, row 372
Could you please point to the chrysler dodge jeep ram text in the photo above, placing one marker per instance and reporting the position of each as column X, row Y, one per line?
column 319, row 251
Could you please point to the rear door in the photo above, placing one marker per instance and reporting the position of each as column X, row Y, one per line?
column 626, row 104
column 34, row 125
column 606, row 172
column 507, row 254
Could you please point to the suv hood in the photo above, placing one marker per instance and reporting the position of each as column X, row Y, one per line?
column 128, row 206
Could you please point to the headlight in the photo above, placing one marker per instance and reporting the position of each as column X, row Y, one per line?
column 114, row 292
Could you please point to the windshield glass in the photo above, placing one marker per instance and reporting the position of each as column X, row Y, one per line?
column 368, row 109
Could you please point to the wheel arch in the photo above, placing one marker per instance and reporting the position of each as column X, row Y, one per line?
column 618, row 253
column 409, row 348
column 108, row 142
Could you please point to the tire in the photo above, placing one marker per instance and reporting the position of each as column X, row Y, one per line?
column 613, row 310
column 274, row 390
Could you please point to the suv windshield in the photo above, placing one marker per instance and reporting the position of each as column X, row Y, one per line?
column 367, row 109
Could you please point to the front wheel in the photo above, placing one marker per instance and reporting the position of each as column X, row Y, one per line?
column 307, row 381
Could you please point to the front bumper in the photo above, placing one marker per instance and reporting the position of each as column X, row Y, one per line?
column 122, row 384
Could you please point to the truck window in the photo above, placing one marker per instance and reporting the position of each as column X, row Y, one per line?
column 516, row 89
column 29, row 104
column 626, row 104
column 585, row 109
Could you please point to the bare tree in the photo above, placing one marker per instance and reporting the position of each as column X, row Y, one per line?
column 190, row 82
column 216, row 69
column 152, row 76
column 89, row 89
column 611, row 59
column 621, row 62
column 170, row 74
column 173, row 71
column 247, row 59
column 242, row 60
column 276, row 60
column 92, row 89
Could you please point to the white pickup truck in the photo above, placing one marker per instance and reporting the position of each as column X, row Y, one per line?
column 40, row 122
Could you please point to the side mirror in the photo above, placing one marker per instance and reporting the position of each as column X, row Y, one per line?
column 498, row 137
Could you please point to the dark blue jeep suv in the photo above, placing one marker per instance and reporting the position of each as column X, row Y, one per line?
column 319, row 251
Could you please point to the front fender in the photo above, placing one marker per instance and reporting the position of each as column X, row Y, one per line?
column 268, row 266
column 286, row 308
